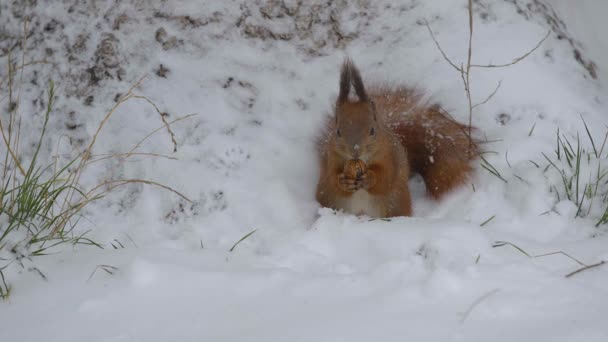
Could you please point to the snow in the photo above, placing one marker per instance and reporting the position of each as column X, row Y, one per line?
column 261, row 90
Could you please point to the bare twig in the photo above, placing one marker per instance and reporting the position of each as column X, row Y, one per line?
column 439, row 47
column 465, row 69
column 489, row 96
column 109, row 269
column 585, row 268
column 516, row 60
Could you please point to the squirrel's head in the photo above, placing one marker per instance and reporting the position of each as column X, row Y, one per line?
column 357, row 125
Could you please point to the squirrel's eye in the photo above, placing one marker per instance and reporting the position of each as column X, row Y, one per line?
column 372, row 132
column 338, row 133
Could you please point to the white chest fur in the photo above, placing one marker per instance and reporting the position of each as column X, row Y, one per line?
column 363, row 203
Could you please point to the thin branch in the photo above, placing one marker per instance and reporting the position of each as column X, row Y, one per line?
column 489, row 96
column 516, row 60
column 439, row 47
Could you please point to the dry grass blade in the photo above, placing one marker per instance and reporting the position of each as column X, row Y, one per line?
column 20, row 67
column 109, row 269
column 485, row 164
column 102, row 157
column 487, row 221
column 585, row 268
column 242, row 239
column 87, row 152
column 477, row 302
column 6, row 134
column 505, row 243
column 139, row 143
column 532, row 130
column 562, row 253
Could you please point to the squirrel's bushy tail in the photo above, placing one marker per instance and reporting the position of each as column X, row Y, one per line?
column 438, row 148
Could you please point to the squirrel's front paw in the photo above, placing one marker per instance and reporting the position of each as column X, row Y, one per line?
column 366, row 181
column 347, row 184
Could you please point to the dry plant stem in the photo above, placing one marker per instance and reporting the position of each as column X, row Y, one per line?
column 477, row 302
column 562, row 253
column 468, row 73
column 162, row 117
column 44, row 61
column 112, row 184
column 85, row 159
column 102, row 157
column 585, row 268
column 7, row 135
column 87, row 152
column 132, row 151
column 465, row 70
column 440, row 48
column 118, row 182
column 23, row 45
column 158, row 129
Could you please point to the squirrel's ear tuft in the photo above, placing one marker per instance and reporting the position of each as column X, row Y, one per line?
column 350, row 75
column 358, row 83
column 345, row 80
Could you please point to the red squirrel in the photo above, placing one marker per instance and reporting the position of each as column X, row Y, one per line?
column 377, row 141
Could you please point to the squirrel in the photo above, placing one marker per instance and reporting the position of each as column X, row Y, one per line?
column 372, row 145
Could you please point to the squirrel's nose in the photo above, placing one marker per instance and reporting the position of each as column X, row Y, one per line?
column 356, row 150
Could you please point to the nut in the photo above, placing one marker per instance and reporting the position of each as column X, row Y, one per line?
column 355, row 169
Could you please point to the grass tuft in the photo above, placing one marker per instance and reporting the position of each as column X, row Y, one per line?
column 582, row 175
column 41, row 205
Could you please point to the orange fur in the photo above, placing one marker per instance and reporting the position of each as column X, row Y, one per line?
column 395, row 133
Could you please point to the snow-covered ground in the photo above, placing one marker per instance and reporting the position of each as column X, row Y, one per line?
column 260, row 75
